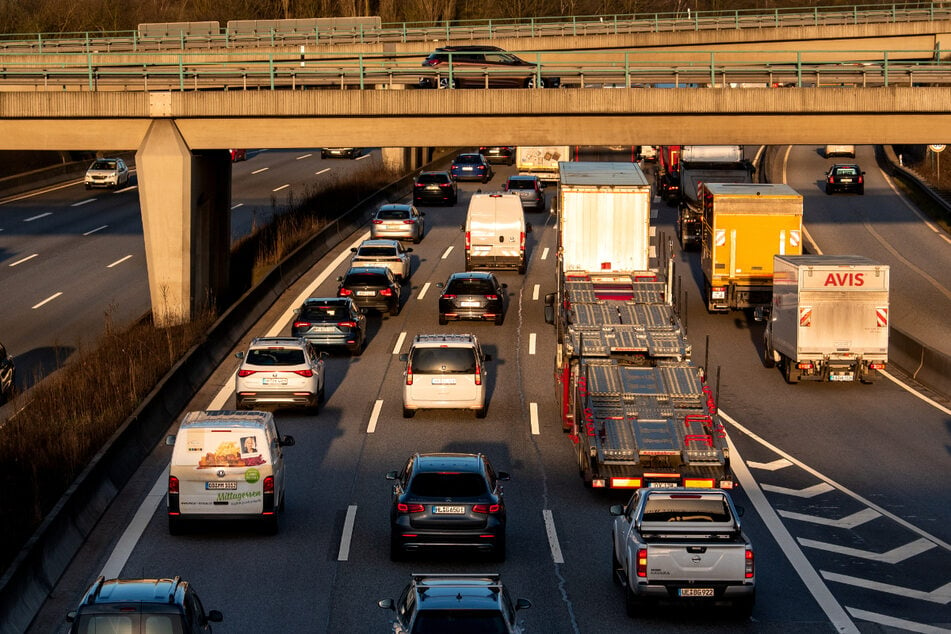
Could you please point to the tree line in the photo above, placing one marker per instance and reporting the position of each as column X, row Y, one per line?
column 72, row 16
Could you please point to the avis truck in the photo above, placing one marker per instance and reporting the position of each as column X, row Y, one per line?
column 635, row 406
column 541, row 161
column 682, row 545
column 828, row 319
column 701, row 164
column 744, row 226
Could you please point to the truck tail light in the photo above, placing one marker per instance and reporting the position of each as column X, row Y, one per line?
column 876, row 366
column 478, row 373
column 269, row 484
column 641, row 567
column 401, row 507
column 749, row 563
column 172, row 484
column 804, row 365
column 521, row 241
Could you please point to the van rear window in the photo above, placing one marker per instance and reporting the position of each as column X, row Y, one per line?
column 205, row 448
column 443, row 361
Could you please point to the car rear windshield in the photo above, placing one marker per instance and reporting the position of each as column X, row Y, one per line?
column 468, row 159
column 846, row 171
column 393, row 214
column 448, row 485
column 459, row 622
column 276, row 356
column 324, row 313
column 364, row 279
column 470, row 287
column 521, row 183
column 433, row 178
column 444, row 361
column 376, row 251
column 699, row 509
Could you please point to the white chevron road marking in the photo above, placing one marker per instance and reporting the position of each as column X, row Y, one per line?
column 940, row 595
column 894, row 556
column 847, row 522
column 808, row 492
column 775, row 465
column 891, row 621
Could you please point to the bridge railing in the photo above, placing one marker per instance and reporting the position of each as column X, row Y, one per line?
column 574, row 69
column 368, row 30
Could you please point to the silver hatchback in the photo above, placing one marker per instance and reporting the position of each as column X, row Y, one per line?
column 398, row 222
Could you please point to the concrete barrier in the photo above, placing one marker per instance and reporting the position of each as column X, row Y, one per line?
column 34, row 573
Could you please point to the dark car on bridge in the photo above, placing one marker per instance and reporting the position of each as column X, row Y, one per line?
column 845, row 178
column 482, row 67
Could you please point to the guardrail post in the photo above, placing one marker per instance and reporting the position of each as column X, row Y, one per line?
column 799, row 69
column 86, row 43
column 92, row 85
column 627, row 70
column 181, row 73
column 885, row 68
column 713, row 69
column 270, row 65
column 776, row 18
column 272, row 36
column 574, row 25
column 815, row 16
column 448, row 31
column 855, row 15
column 362, row 70
column 39, row 44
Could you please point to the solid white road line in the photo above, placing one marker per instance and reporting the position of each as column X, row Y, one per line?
column 361, row 157
column 236, row 205
column 399, row 343
column 933, row 403
column 284, row 186
column 48, row 299
column 531, row 343
column 92, row 231
column 533, row 417
column 445, row 254
column 42, row 215
column 779, row 463
column 326, row 169
column 22, row 260
column 263, row 169
column 422, row 291
column 553, row 544
column 347, row 535
column 119, row 261
column 133, row 532
column 82, row 202
column 125, row 189
column 375, row 415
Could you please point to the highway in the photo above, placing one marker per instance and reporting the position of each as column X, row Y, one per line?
column 844, row 485
column 71, row 258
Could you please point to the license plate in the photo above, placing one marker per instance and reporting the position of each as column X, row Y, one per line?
column 442, row 381
column 449, row 510
column 718, row 295
column 219, row 486
column 366, row 293
column 840, row 377
column 469, row 304
column 432, row 188
column 845, row 180
column 695, row 592
column 466, row 169
column 662, row 485
column 275, row 381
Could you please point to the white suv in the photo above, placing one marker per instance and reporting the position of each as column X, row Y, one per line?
column 280, row 372
column 390, row 254
column 444, row 372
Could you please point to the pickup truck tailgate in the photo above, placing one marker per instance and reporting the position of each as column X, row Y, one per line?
column 696, row 562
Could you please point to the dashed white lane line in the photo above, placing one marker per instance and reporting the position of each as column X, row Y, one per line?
column 48, row 299
column 347, row 536
column 422, row 291
column 531, row 343
column 22, row 260
column 375, row 415
column 399, row 343
column 545, row 253
column 361, row 157
column 323, row 171
column 263, row 169
column 303, row 156
column 553, row 544
column 236, row 205
column 535, row 292
column 83, row 202
column 119, row 261
column 125, row 189
column 42, row 215
column 284, row 186
column 445, row 254
column 533, row 417
column 92, row 231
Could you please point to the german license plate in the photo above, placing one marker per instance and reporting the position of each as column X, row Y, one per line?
column 366, row 293
column 840, row 377
column 443, row 381
column 441, row 509
column 228, row 485
column 845, row 180
column 432, row 188
column 469, row 304
column 695, row 592
column 275, row 381
column 662, row 485
column 466, row 169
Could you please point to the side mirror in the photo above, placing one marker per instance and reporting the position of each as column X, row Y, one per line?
column 386, row 604
column 339, row 278
column 504, row 285
column 239, row 355
column 740, row 510
column 503, row 476
column 462, row 227
column 170, row 440
column 297, row 311
column 216, row 617
column 549, row 308
column 440, row 285
column 616, row 510
column 287, row 441
column 404, row 357
column 392, row 475
column 528, row 227
column 487, row 357
column 522, row 604
column 353, row 249
column 409, row 250
column 71, row 616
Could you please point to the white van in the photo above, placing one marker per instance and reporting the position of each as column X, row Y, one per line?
column 226, row 465
column 840, row 150
column 495, row 232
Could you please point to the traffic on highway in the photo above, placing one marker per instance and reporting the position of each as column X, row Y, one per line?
column 842, row 484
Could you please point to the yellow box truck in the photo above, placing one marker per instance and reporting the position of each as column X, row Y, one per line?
column 744, row 226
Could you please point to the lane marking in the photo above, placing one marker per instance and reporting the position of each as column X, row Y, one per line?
column 375, row 415
column 896, row 623
column 263, row 169
column 126, row 189
column 531, row 343
column 347, row 535
column 43, row 215
column 92, row 231
column 893, row 556
column 422, row 291
column 535, row 292
column 284, row 186
column 113, row 567
column 533, row 417
column 236, row 205
column 83, row 202
column 326, row 169
column 545, row 253
column 848, row 522
column 22, row 260
column 898, row 256
column 303, row 156
column 553, row 544
column 445, row 254
column 806, row 492
column 399, row 343
column 48, row 299
column 775, row 465
column 908, row 388
column 119, row 261
column 40, row 192
column 361, row 157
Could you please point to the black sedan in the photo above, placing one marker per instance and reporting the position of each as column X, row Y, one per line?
column 371, row 287
column 435, row 187
column 331, row 321
column 472, row 295
column 503, row 154
column 471, row 167
column 449, row 500
column 481, row 66
column 845, row 178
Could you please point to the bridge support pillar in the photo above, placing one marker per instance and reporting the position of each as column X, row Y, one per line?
column 186, row 219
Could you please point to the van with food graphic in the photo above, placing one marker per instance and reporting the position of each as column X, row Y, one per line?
column 226, row 465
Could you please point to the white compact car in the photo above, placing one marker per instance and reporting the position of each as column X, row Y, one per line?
column 107, row 172
column 389, row 254
column 444, row 372
column 280, row 372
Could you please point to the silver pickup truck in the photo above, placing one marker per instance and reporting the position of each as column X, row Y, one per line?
column 680, row 545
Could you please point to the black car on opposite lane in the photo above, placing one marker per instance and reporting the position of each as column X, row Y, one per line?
column 435, row 187
column 482, row 66
column 371, row 288
column 472, row 295
column 447, row 500
column 845, row 177
column 331, row 321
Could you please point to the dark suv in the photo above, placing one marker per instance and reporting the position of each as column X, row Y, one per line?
column 331, row 321
column 449, row 500
column 458, row 603
column 141, row 606
column 371, row 287
column 435, row 187
column 845, row 178
column 473, row 295
column 482, row 67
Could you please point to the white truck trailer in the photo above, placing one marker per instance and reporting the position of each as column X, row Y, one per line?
column 541, row 161
column 828, row 319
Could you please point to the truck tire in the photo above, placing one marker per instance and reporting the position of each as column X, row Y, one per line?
column 498, row 553
column 616, row 569
column 791, row 375
column 768, row 360
column 633, row 604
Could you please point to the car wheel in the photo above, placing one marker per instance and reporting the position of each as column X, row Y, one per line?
column 498, row 553
column 485, row 179
column 395, row 311
column 768, row 361
column 408, row 413
column 633, row 604
column 396, row 549
column 357, row 350
column 743, row 608
column 88, row 186
column 791, row 375
column 530, row 82
column 522, row 268
column 269, row 525
column 480, row 413
column 321, row 395
column 454, row 199
column 615, row 567
column 499, row 319
column 861, row 191
column 442, row 320
column 175, row 525
column 444, row 82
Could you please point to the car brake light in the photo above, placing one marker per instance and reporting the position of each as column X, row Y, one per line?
column 305, row 373
column 447, row 296
column 343, row 292
column 269, row 484
column 831, row 179
column 410, row 508
column 172, row 484
column 301, row 324
column 860, row 180
column 409, row 374
column 347, row 324
column 521, row 241
column 468, row 240
column 378, row 222
column 641, row 562
column 445, row 184
column 749, row 563
column 478, row 374
column 386, row 292
column 244, row 373
column 492, row 297
column 486, row 508
column 409, row 222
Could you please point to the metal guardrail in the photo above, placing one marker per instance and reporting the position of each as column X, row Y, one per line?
column 575, row 69
column 471, row 30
